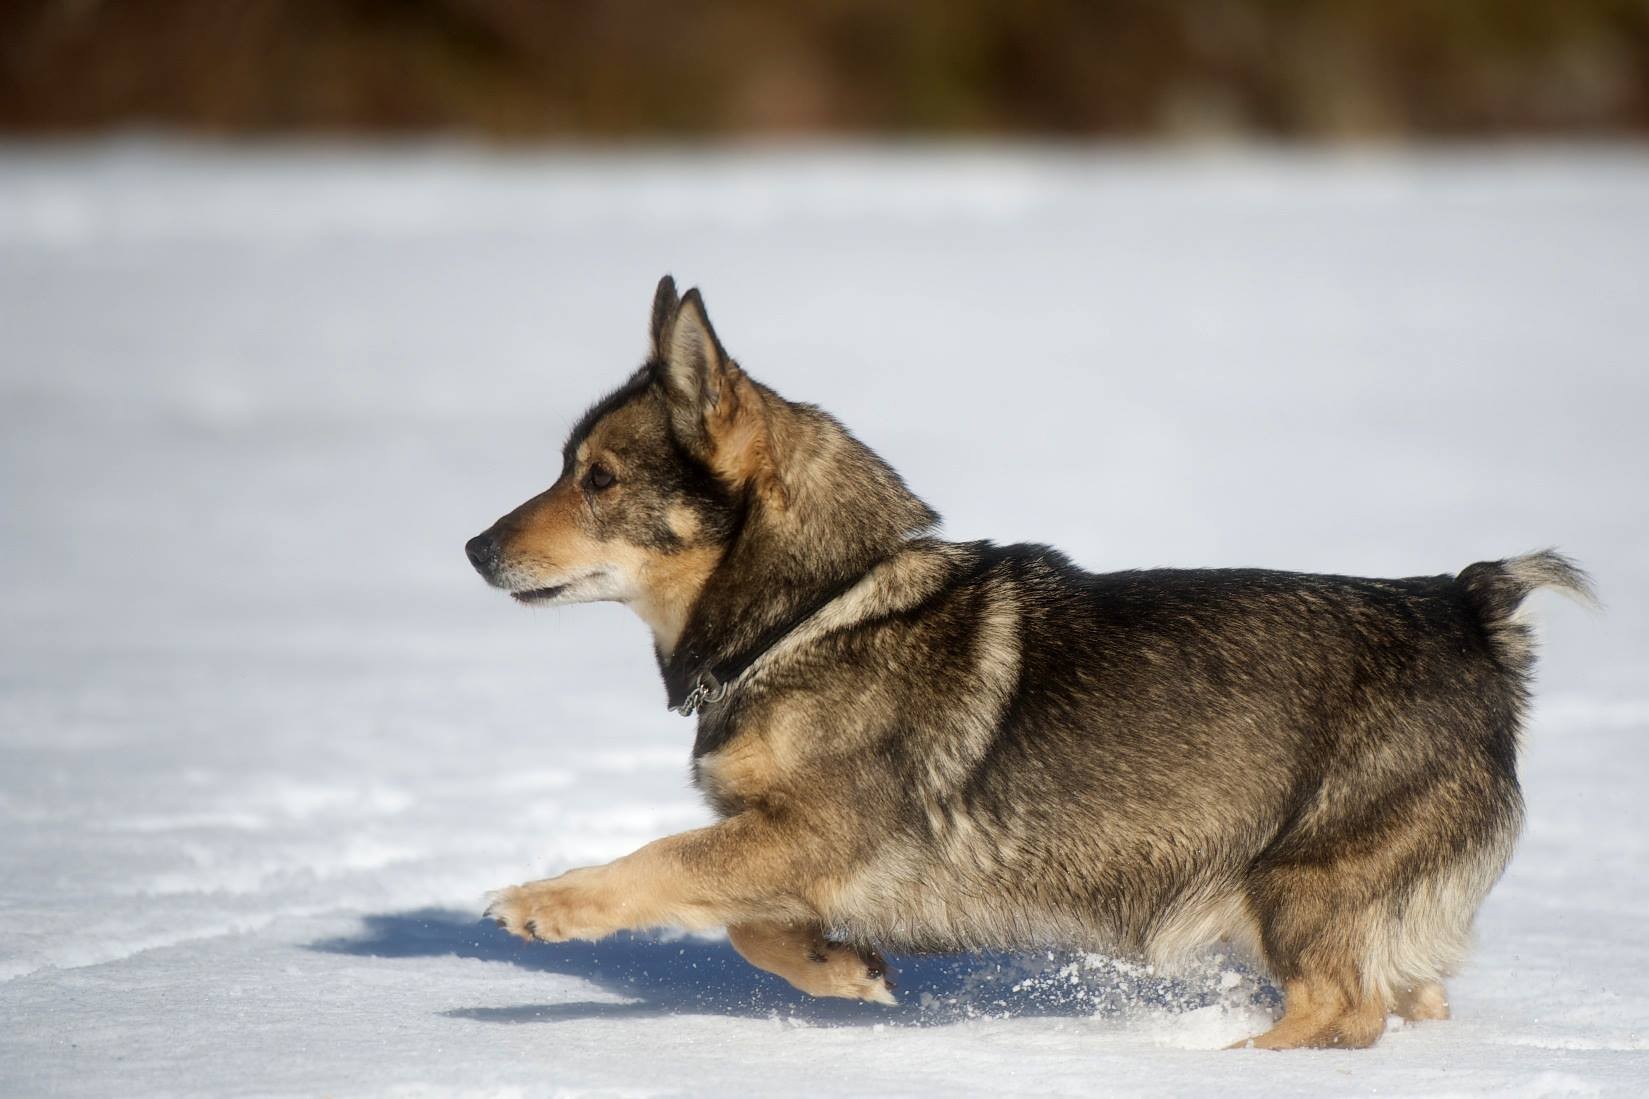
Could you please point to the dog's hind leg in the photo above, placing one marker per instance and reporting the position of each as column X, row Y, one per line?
column 802, row 955
column 1356, row 937
column 1315, row 925
column 1324, row 1011
column 1423, row 1002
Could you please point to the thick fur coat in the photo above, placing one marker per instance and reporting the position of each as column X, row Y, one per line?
column 930, row 745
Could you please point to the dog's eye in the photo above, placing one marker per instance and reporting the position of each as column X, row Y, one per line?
column 599, row 477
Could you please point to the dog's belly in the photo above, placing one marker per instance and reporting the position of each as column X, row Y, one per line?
column 1100, row 884
column 945, row 916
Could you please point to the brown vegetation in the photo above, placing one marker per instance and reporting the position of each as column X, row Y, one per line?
column 626, row 68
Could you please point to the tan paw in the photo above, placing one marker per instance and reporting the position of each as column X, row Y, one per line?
column 572, row 906
column 841, row 970
column 1423, row 1002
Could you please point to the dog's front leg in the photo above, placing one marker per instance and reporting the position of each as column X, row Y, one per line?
column 806, row 957
column 732, row 872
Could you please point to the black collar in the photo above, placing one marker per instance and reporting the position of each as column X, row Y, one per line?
column 714, row 680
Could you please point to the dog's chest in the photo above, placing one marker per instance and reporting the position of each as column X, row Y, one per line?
column 741, row 773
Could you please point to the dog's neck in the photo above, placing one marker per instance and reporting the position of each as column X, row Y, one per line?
column 760, row 591
column 845, row 510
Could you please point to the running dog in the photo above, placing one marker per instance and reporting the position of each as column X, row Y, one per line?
column 935, row 745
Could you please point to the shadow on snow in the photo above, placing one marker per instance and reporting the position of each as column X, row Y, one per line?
column 689, row 975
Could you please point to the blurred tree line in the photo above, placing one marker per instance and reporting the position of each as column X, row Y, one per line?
column 632, row 68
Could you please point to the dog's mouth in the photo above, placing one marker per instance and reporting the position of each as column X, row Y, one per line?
column 576, row 588
column 538, row 595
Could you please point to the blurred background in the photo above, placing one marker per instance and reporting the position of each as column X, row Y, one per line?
column 553, row 69
column 295, row 297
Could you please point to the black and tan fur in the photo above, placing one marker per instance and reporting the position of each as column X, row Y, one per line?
column 945, row 745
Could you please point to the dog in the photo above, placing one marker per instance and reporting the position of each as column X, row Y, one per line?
column 930, row 745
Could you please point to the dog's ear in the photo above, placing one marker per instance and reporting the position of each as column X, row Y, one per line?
column 717, row 411
column 665, row 304
column 695, row 365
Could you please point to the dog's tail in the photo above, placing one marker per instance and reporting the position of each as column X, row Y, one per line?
column 1496, row 589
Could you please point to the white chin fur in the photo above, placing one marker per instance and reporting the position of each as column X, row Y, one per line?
column 593, row 587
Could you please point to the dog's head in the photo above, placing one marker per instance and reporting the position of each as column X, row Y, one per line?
column 652, row 481
column 661, row 477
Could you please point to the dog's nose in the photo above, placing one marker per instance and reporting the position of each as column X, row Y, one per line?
column 482, row 550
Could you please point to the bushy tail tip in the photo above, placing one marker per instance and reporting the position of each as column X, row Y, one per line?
column 1498, row 588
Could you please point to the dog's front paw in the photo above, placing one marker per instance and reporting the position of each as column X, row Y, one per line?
column 573, row 906
column 849, row 972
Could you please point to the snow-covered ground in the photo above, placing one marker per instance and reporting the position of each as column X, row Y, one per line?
column 265, row 739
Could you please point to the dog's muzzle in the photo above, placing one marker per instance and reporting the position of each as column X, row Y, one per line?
column 484, row 553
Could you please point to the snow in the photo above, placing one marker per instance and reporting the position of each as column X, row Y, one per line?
column 265, row 740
